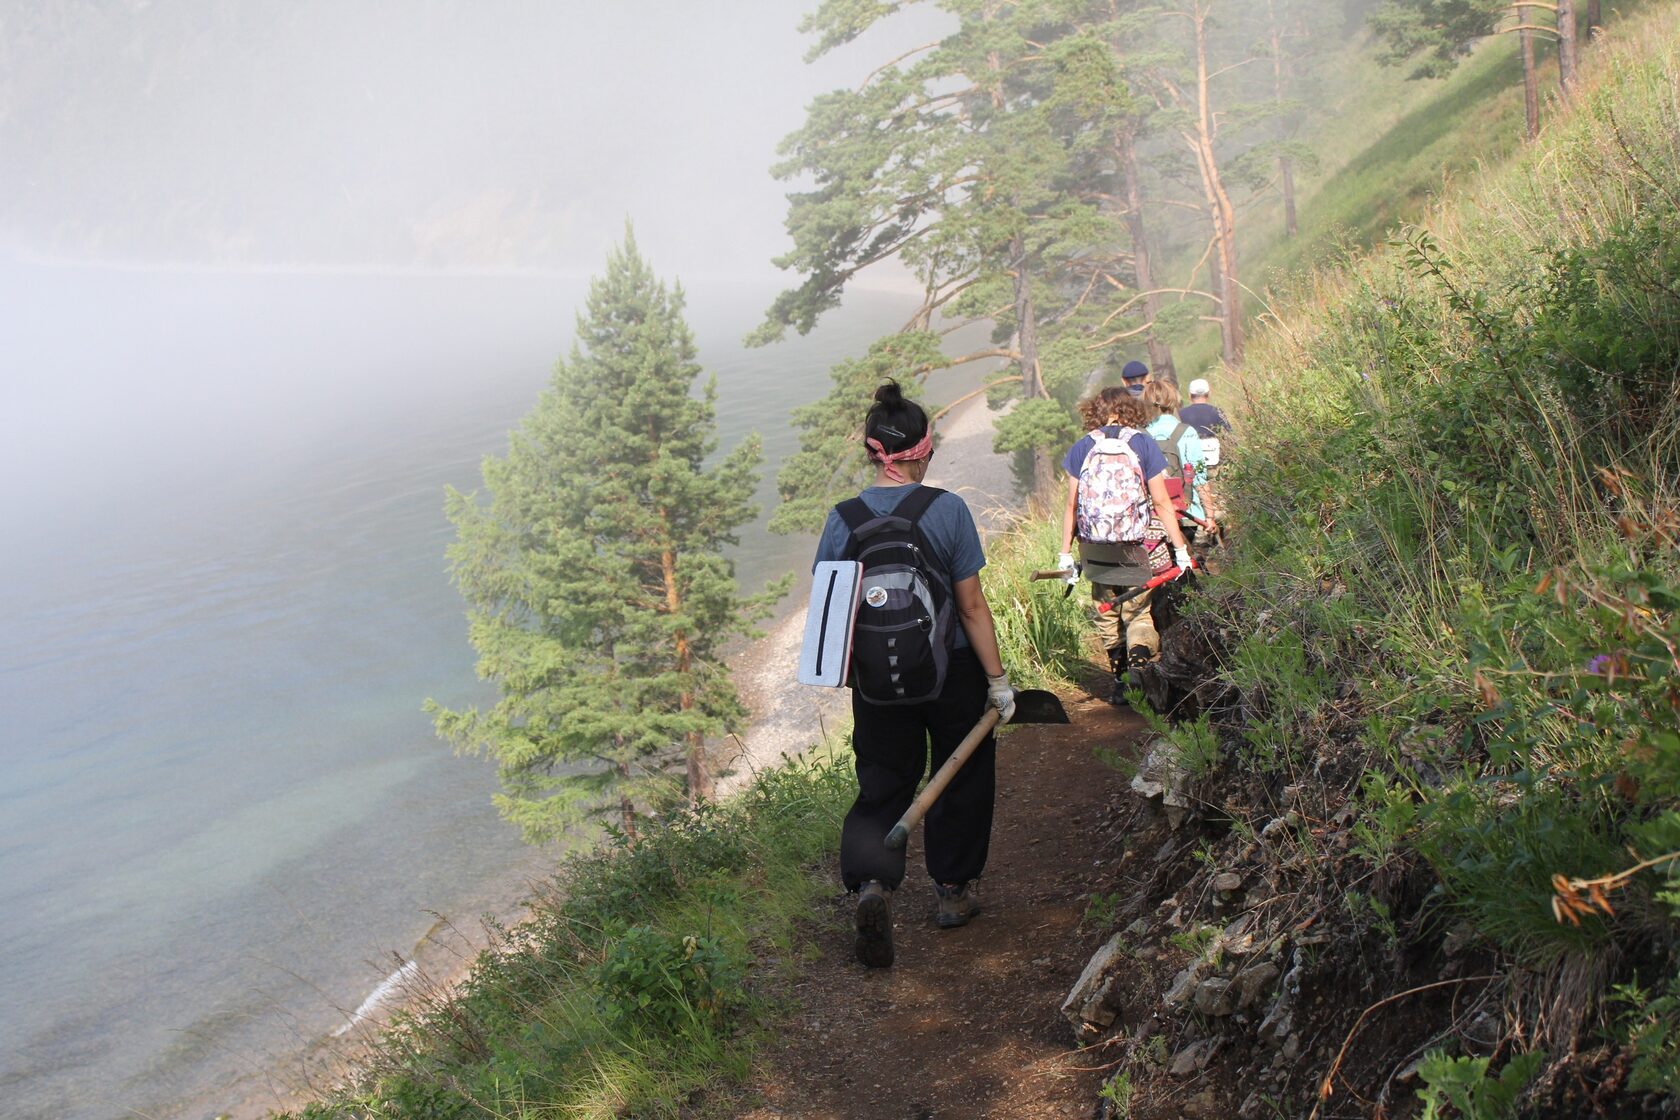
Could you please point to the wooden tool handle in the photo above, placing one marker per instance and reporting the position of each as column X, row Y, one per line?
column 900, row 834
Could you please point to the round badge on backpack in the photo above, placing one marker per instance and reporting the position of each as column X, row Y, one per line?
column 876, row 596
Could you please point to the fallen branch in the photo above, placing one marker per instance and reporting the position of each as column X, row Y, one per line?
column 1327, row 1086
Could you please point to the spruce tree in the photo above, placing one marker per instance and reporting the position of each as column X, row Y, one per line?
column 597, row 594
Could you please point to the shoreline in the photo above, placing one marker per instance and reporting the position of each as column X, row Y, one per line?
column 785, row 722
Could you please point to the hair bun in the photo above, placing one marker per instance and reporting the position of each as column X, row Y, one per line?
column 889, row 393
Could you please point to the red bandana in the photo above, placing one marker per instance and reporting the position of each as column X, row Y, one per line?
column 879, row 454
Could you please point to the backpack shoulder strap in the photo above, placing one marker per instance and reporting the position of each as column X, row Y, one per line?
column 854, row 513
column 917, row 503
column 1178, row 432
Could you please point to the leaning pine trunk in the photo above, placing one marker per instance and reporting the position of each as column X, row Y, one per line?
column 1531, row 83
column 1201, row 140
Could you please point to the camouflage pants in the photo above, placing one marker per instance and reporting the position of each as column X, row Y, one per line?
column 1130, row 624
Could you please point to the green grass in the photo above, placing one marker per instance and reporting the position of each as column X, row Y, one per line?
column 1390, row 151
column 1458, row 495
column 638, row 985
column 1043, row 634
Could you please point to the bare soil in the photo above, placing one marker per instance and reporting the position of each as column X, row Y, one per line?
column 966, row 1022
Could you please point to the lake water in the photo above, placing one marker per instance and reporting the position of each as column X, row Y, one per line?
column 222, row 601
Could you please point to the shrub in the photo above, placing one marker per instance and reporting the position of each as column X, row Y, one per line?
column 1461, row 1088
column 658, row 981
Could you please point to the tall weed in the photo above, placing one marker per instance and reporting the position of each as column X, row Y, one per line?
column 1043, row 634
column 1459, row 495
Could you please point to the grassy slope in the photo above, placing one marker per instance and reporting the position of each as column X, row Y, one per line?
column 1388, row 151
column 1450, row 639
column 552, row 1024
column 636, row 988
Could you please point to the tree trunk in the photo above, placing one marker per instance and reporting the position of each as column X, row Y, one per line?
column 626, row 809
column 699, row 778
column 1531, row 84
column 1160, row 354
column 1286, row 169
column 700, row 783
column 1032, row 374
column 1223, row 214
column 1026, row 321
column 1566, row 47
column 1595, row 17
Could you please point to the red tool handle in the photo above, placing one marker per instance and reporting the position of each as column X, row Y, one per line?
column 1166, row 576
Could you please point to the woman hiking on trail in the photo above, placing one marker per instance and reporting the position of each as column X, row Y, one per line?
column 890, row 736
column 1168, row 429
column 1118, row 505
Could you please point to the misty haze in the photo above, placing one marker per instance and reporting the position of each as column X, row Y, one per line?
column 420, row 418
column 271, row 275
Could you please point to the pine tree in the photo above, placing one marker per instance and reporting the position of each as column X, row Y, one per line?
column 1444, row 31
column 951, row 159
column 598, row 596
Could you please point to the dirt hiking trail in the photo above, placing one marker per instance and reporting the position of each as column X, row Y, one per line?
column 966, row 1022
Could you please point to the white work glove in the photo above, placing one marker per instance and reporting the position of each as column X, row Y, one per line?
column 1181, row 561
column 1001, row 696
column 1066, row 563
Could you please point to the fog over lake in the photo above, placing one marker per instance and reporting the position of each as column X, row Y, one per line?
column 271, row 276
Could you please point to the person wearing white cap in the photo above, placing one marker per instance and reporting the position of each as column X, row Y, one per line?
column 1208, row 421
column 1200, row 414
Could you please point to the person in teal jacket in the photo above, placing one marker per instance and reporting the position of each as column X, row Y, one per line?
column 1163, row 397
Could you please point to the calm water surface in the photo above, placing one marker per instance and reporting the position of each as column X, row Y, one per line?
column 222, row 601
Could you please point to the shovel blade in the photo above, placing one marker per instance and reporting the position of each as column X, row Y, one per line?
column 1035, row 705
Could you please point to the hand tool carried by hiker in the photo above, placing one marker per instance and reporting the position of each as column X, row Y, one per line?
column 1032, row 705
column 1155, row 581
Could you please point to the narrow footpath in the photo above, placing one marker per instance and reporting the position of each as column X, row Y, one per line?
column 966, row 1023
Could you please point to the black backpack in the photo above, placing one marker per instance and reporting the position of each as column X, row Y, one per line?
column 901, row 643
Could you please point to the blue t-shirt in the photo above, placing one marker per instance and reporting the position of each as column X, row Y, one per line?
column 947, row 526
column 1205, row 418
column 1149, row 455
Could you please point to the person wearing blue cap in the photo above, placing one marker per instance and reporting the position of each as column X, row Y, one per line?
column 1136, row 376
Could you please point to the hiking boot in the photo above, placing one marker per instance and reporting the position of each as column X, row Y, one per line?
column 1117, row 666
column 956, row 904
column 874, row 926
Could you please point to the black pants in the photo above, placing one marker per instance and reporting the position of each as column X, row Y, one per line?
column 891, row 743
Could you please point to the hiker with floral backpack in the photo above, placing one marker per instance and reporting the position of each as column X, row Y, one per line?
column 1120, row 512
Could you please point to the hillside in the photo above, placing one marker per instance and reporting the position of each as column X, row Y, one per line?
column 1402, row 839
column 1429, row 715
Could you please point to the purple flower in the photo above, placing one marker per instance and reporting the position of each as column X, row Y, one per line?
column 1600, row 664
